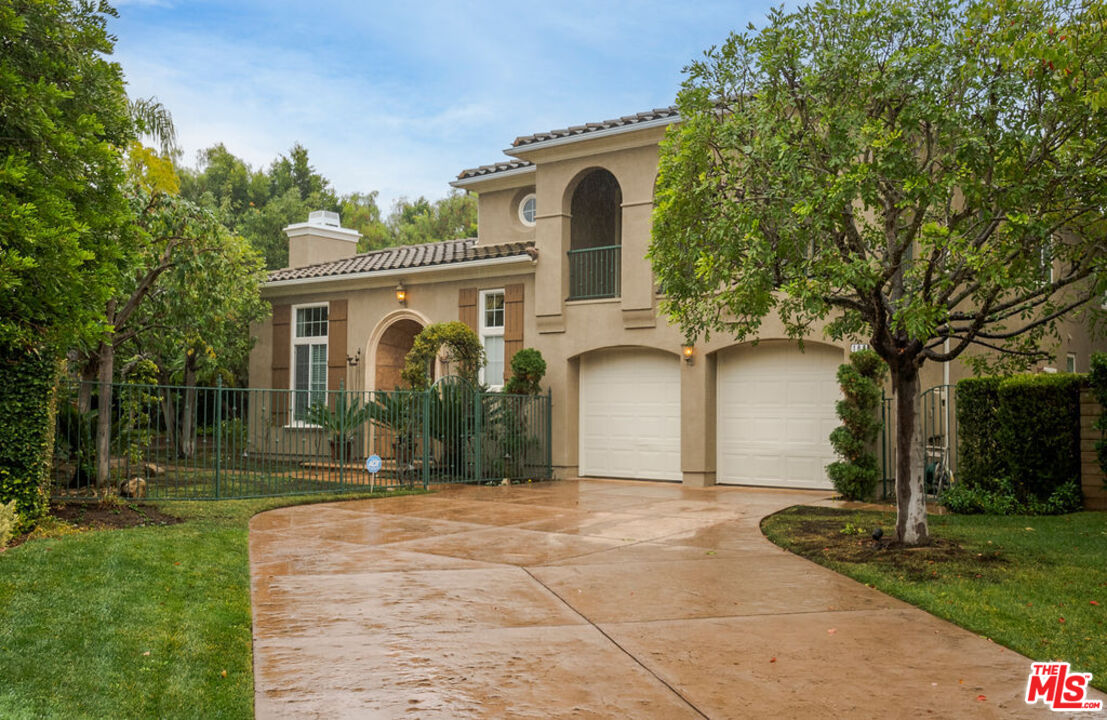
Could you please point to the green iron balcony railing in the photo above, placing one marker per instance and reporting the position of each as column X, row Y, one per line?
column 594, row 272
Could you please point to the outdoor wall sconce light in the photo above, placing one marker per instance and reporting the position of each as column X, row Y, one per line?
column 401, row 294
column 688, row 351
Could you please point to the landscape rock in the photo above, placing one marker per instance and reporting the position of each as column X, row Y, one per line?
column 133, row 488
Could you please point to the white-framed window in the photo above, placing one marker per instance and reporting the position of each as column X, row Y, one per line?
column 309, row 359
column 528, row 210
column 492, row 312
column 1070, row 363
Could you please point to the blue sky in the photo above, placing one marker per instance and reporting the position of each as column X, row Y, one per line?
column 400, row 96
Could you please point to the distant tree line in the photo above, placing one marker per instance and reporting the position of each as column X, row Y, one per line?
column 258, row 203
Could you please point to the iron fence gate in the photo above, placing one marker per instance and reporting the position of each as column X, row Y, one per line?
column 177, row 442
column 938, row 429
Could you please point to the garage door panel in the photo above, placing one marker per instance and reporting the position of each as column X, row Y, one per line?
column 630, row 415
column 775, row 414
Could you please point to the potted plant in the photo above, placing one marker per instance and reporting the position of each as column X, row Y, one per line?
column 342, row 422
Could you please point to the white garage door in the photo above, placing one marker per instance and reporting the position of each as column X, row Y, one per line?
column 775, row 414
column 630, row 415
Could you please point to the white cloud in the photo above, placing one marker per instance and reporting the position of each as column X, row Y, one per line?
column 399, row 97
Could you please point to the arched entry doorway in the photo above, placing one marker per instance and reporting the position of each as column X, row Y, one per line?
column 388, row 345
column 392, row 348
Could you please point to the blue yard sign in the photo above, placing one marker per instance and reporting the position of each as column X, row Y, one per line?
column 373, row 464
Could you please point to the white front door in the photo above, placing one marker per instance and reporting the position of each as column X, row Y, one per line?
column 630, row 415
column 775, row 410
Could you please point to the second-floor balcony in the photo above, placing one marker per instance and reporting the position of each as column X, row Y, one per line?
column 594, row 272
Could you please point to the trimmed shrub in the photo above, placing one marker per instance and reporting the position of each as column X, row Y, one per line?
column 26, row 433
column 856, row 474
column 965, row 500
column 1097, row 380
column 461, row 344
column 9, row 519
column 528, row 367
column 979, row 463
column 1019, row 446
column 1038, row 432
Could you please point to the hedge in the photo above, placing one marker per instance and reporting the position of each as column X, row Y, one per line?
column 26, row 433
column 1020, row 438
column 979, row 461
column 1038, row 432
column 1097, row 381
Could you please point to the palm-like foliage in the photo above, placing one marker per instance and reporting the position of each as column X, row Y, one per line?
column 153, row 120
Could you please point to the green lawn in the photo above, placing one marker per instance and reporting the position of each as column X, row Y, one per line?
column 136, row 623
column 1035, row 584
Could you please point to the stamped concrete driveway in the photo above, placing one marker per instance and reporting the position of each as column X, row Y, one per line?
column 590, row 599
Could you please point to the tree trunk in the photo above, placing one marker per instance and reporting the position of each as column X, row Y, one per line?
column 911, row 528
column 169, row 411
column 106, row 352
column 188, row 416
column 89, row 373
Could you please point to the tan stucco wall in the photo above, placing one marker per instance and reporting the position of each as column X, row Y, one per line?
column 431, row 297
column 310, row 249
column 565, row 331
column 498, row 214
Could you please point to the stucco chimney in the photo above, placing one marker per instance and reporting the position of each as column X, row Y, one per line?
column 321, row 239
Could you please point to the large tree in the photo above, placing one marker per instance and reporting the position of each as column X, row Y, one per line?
column 190, row 287
column 927, row 176
column 63, row 116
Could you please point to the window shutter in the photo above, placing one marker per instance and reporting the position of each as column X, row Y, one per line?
column 467, row 307
column 282, row 347
column 513, row 324
column 336, row 344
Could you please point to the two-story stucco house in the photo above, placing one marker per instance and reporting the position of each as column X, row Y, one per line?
column 559, row 265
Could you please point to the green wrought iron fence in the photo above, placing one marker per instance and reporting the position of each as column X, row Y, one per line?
column 938, row 423
column 176, row 442
column 595, row 272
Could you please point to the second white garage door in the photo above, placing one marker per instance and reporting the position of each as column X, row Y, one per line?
column 630, row 415
column 775, row 414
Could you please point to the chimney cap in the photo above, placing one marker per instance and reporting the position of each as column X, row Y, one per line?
column 326, row 218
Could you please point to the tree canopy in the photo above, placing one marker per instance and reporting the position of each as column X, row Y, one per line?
column 927, row 176
column 63, row 116
column 259, row 204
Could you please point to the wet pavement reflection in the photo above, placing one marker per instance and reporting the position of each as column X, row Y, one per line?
column 590, row 599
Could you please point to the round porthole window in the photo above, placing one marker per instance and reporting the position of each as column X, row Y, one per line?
column 528, row 210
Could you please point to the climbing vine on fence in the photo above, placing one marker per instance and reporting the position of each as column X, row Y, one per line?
column 26, row 432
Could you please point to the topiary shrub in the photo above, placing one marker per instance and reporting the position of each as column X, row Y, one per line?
column 979, row 464
column 855, row 476
column 1097, row 380
column 462, row 345
column 26, row 432
column 528, row 367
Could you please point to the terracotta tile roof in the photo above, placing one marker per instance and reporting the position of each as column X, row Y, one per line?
column 494, row 168
column 655, row 114
column 407, row 256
